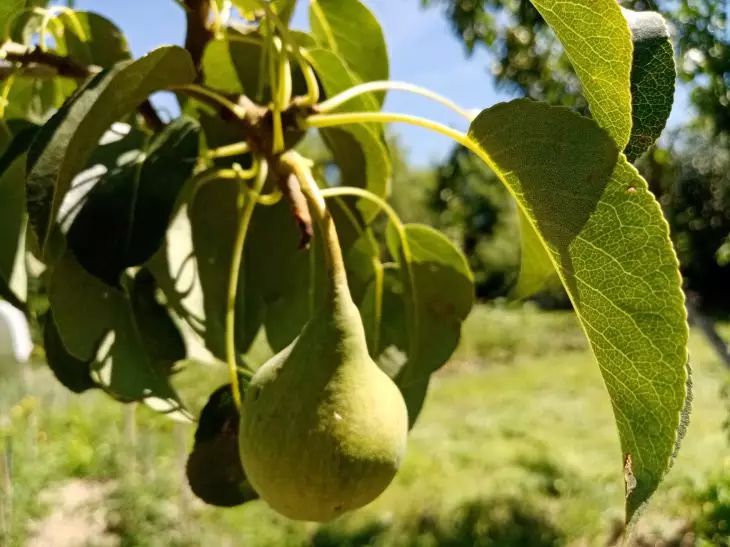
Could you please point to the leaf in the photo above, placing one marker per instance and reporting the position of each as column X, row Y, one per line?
column 358, row 150
column 607, row 237
column 289, row 280
column 8, row 9
column 175, row 269
column 214, row 468
column 442, row 294
column 536, row 268
column 437, row 296
column 159, row 333
column 13, row 219
column 597, row 41
column 92, row 39
column 652, row 79
column 126, row 214
column 97, row 324
column 214, row 213
column 63, row 145
column 71, row 372
column 349, row 29
column 232, row 64
column 35, row 99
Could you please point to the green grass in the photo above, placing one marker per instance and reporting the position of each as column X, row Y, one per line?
column 516, row 446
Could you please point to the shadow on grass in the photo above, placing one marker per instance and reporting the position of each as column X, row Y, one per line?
column 503, row 522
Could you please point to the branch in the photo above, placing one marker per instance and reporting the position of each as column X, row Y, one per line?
column 198, row 34
column 64, row 66
column 70, row 68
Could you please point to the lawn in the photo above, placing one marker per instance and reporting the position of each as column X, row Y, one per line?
column 516, row 446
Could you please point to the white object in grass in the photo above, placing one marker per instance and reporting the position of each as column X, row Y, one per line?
column 15, row 339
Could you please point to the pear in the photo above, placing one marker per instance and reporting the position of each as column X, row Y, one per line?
column 323, row 428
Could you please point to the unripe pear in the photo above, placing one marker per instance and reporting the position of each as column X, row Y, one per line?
column 323, row 428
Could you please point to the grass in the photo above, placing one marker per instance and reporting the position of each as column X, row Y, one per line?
column 516, row 446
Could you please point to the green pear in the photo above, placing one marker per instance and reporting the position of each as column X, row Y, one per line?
column 323, row 429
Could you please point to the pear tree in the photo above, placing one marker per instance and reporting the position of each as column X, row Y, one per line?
column 147, row 236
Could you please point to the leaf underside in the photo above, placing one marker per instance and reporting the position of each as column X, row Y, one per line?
column 610, row 244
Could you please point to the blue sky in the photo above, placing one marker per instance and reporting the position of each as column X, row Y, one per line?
column 422, row 49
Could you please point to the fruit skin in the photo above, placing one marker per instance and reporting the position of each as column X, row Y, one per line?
column 323, row 429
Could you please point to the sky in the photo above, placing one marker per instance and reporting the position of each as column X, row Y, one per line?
column 422, row 49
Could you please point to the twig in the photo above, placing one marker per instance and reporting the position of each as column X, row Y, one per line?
column 198, row 34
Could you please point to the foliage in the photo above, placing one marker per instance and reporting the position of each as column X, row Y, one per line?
column 529, row 61
column 242, row 240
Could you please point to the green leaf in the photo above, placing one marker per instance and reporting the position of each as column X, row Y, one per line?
column 537, row 271
column 597, row 41
column 175, row 270
column 214, row 468
column 441, row 292
column 97, row 323
column 160, row 336
column 607, row 237
column 214, row 213
column 358, row 150
column 13, row 218
column 73, row 373
column 92, row 39
column 289, row 280
column 232, row 64
column 66, row 141
column 7, row 10
column 652, row 79
column 35, row 99
column 126, row 214
column 438, row 295
column 349, row 29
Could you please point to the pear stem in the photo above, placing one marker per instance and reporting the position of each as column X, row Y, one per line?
column 332, row 251
column 236, row 261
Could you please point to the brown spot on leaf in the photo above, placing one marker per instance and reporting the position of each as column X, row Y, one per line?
column 629, row 478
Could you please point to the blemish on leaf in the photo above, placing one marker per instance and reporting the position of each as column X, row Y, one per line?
column 629, row 478
column 631, row 190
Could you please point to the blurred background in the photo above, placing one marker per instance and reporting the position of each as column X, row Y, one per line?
column 516, row 445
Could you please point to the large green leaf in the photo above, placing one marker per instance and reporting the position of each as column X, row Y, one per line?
column 92, row 39
column 72, row 372
column 35, row 99
column 126, row 214
column 437, row 295
column 289, row 279
column 358, row 150
column 175, row 269
column 98, row 324
column 233, row 64
column 652, row 79
column 65, row 142
column 350, row 30
column 160, row 336
column 608, row 239
column 441, row 292
column 13, row 218
column 597, row 41
column 214, row 213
